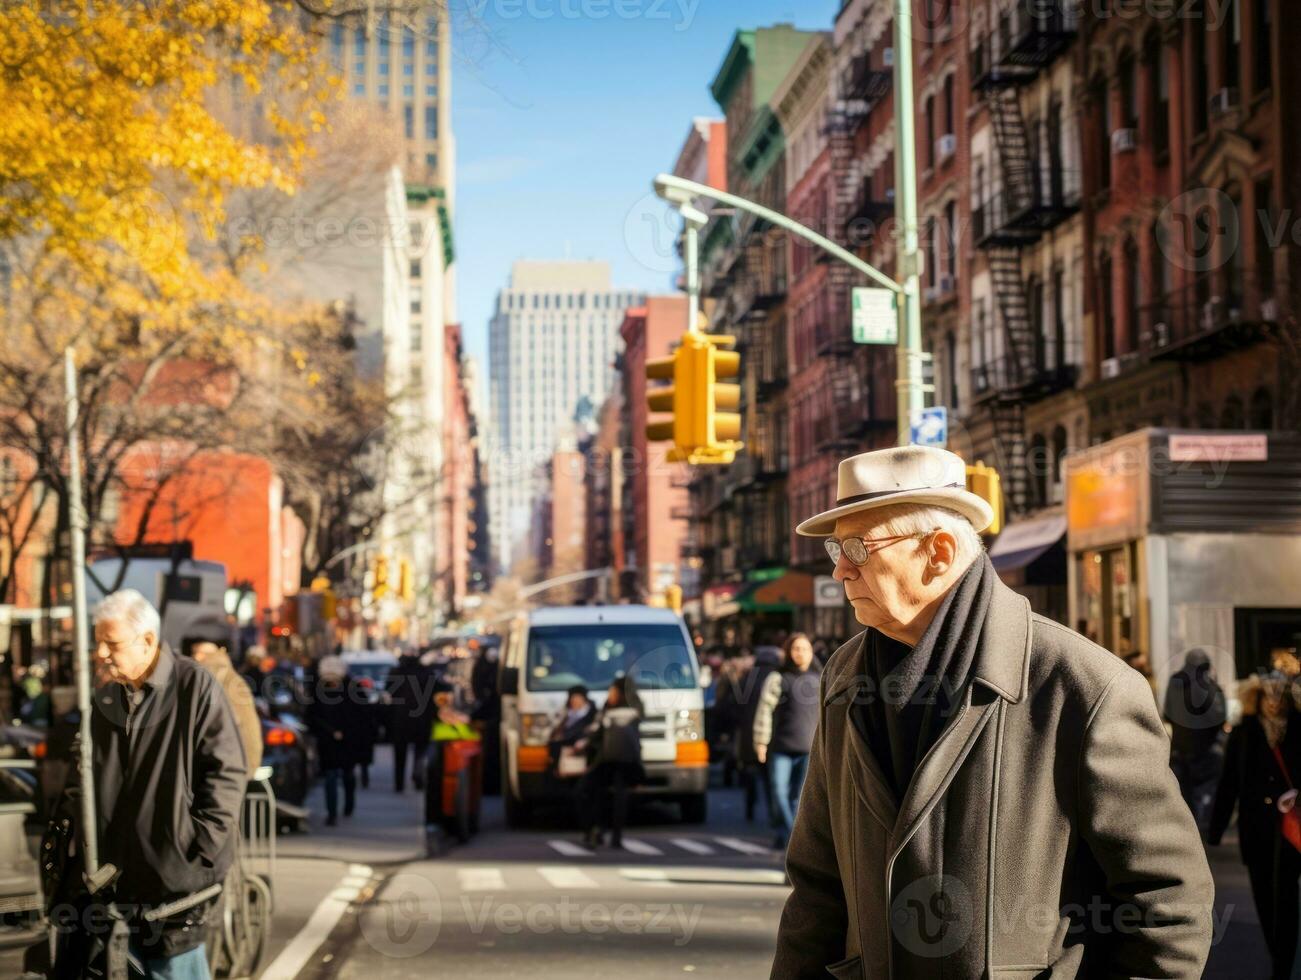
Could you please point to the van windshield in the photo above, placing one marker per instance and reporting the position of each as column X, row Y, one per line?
column 655, row 655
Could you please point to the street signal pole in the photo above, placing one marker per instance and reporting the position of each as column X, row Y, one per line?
column 910, row 387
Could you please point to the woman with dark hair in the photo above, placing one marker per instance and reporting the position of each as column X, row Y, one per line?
column 572, row 725
column 615, row 762
column 1262, row 763
column 784, row 725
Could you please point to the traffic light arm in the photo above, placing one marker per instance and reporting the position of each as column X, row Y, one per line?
column 680, row 192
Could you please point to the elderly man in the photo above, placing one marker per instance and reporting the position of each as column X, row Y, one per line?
column 988, row 793
column 169, row 778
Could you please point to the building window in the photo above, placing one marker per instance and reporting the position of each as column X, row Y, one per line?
column 1039, row 466
column 1237, row 264
column 1264, row 254
column 1160, row 95
column 359, row 43
column 383, row 69
column 359, row 68
column 1264, row 59
column 408, row 69
column 1262, row 410
column 415, row 305
column 1133, row 294
column 1102, row 119
column 383, row 91
column 1058, row 450
column 431, row 122
column 1059, row 318
column 431, row 91
column 409, row 120
column 948, row 105
column 1231, row 32
column 1201, row 65
column 431, row 70
column 1233, row 416
column 359, row 88
column 1128, row 71
column 951, row 233
column 408, row 44
column 431, row 49
column 431, row 160
column 415, row 268
column 1106, row 305
column 417, row 339
column 930, row 130
column 951, row 365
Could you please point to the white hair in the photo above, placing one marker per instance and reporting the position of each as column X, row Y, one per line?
column 129, row 606
column 918, row 519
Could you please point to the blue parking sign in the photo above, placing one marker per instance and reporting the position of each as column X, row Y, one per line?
column 930, row 427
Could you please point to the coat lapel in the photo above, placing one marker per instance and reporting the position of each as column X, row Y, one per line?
column 866, row 773
column 1000, row 666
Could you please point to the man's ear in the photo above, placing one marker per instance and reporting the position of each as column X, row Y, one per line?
column 150, row 638
column 943, row 551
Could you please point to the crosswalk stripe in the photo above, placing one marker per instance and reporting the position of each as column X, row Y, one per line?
column 744, row 846
column 639, row 846
column 694, row 846
column 569, row 849
column 566, row 877
column 481, row 879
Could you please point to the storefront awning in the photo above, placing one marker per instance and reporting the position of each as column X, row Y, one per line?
column 719, row 601
column 780, row 594
column 1024, row 541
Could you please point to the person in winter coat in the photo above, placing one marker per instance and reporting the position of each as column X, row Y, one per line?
column 573, row 725
column 1196, row 711
column 337, row 718
column 615, row 762
column 206, row 640
column 409, row 717
column 988, row 793
column 1262, row 763
column 754, row 772
column 784, row 725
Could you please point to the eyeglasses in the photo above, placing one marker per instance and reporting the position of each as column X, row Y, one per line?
column 857, row 550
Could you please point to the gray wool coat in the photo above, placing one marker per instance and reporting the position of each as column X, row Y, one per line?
column 1042, row 835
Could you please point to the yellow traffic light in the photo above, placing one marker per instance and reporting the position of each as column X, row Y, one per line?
column 705, row 425
column 406, row 582
column 380, row 587
column 985, row 483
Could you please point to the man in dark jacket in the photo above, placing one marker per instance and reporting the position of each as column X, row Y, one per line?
column 988, row 793
column 409, row 717
column 170, row 776
column 1196, row 710
column 339, row 718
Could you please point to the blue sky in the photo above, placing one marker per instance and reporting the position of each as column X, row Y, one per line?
column 563, row 112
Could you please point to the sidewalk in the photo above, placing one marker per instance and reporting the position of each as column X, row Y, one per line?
column 386, row 826
column 1239, row 949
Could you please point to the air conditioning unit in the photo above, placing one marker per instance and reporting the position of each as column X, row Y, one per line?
column 1111, row 367
column 1269, row 308
column 1210, row 313
column 930, row 294
column 1223, row 101
column 1124, row 140
column 887, row 58
column 1160, row 334
column 946, row 285
column 946, row 146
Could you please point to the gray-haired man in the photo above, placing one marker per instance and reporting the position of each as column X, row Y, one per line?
column 170, row 776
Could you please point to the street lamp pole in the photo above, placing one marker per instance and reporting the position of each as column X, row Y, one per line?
column 910, row 389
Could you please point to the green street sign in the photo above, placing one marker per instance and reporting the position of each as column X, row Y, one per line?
column 875, row 316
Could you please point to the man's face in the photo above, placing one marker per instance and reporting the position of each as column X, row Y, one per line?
column 886, row 590
column 123, row 653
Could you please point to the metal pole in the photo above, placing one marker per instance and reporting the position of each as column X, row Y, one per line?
column 909, row 381
column 693, row 274
column 81, row 627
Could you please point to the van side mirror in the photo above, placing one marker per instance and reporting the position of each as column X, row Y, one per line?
column 509, row 680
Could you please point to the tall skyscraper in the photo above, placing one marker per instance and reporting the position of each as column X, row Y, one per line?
column 552, row 342
column 404, row 65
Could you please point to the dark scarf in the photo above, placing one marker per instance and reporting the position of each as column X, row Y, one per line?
column 916, row 691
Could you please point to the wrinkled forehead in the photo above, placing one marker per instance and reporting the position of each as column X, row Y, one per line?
column 114, row 629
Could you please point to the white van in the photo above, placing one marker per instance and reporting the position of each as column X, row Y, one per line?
column 551, row 650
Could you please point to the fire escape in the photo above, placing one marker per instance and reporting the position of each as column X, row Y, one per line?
column 855, row 211
column 1026, row 41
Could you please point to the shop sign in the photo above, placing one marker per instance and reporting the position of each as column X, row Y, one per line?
column 1220, row 448
column 827, row 593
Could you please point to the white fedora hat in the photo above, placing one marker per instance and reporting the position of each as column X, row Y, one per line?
column 904, row 475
